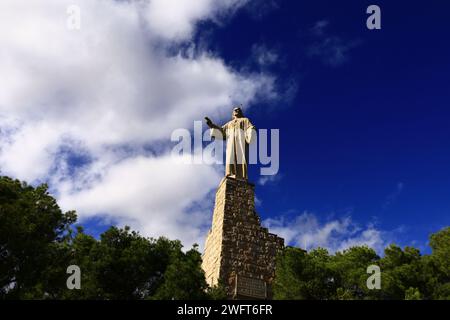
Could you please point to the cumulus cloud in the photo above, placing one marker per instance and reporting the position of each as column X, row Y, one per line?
column 151, row 194
column 176, row 19
column 82, row 108
column 308, row 232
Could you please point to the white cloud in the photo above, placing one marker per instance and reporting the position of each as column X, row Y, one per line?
column 307, row 232
column 151, row 194
column 109, row 92
column 30, row 151
column 176, row 19
column 331, row 49
column 263, row 180
column 319, row 27
column 263, row 55
column 88, row 82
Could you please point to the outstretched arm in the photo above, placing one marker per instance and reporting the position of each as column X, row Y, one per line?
column 211, row 124
column 215, row 129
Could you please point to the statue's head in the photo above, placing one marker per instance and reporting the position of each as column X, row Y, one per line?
column 237, row 113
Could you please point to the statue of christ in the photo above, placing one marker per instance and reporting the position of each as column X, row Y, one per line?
column 238, row 133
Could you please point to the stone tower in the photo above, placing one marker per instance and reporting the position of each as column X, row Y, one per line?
column 239, row 252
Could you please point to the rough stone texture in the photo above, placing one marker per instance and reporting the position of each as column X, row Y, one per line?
column 237, row 246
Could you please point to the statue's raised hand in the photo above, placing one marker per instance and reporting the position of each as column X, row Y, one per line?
column 209, row 123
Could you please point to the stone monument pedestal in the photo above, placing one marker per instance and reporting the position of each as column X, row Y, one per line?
column 239, row 252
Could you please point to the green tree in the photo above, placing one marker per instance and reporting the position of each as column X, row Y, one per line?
column 217, row 292
column 37, row 244
column 401, row 270
column 288, row 273
column 184, row 278
column 129, row 266
column 34, row 238
column 438, row 265
column 350, row 270
column 125, row 265
column 302, row 275
column 412, row 294
column 405, row 273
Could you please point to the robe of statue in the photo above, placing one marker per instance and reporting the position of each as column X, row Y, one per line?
column 238, row 133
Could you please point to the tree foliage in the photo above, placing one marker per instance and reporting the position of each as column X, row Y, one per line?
column 405, row 273
column 38, row 242
column 33, row 235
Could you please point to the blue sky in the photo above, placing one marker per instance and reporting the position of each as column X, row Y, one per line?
column 363, row 114
column 368, row 135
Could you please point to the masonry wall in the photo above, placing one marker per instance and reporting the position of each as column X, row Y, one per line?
column 237, row 244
